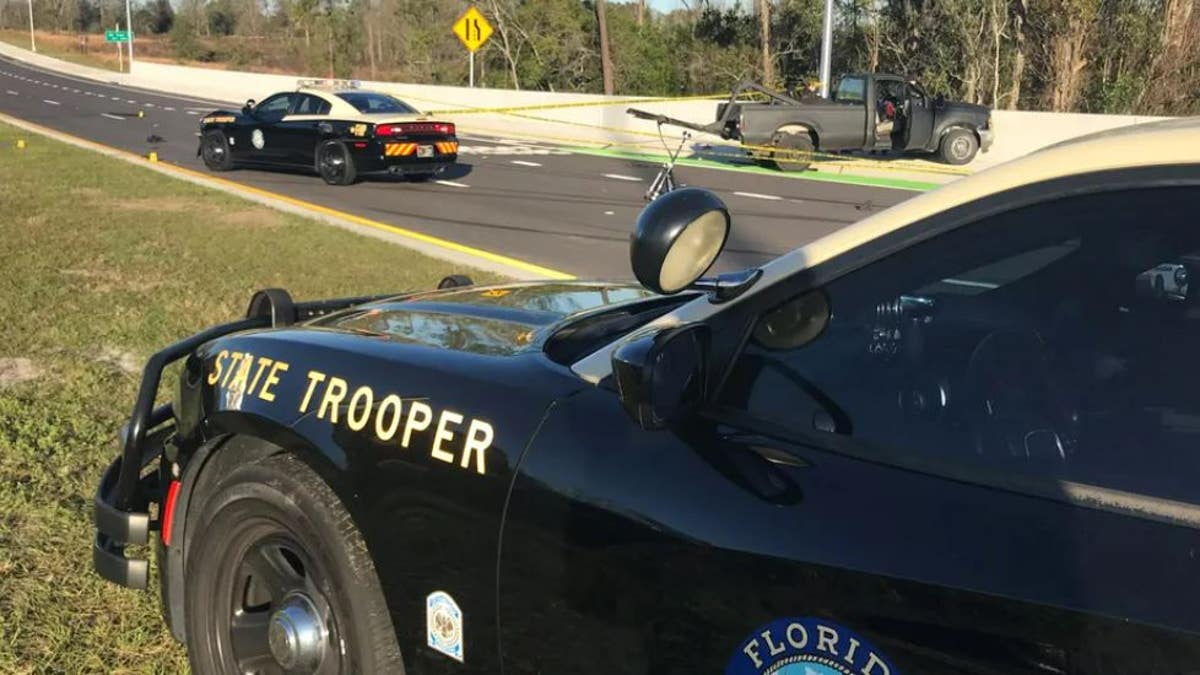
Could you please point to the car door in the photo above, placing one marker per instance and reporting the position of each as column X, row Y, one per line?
column 917, row 119
column 259, row 137
column 970, row 456
column 300, row 129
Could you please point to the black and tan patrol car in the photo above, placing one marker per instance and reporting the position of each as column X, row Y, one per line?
column 959, row 436
column 332, row 127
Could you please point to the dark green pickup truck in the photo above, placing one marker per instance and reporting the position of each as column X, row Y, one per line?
column 868, row 111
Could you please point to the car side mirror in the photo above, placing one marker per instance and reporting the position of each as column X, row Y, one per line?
column 661, row 375
column 248, row 109
column 677, row 238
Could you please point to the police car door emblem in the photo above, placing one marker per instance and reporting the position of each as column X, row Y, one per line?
column 257, row 139
column 807, row 646
column 443, row 624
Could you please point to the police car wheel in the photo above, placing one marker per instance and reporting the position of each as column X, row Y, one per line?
column 279, row 579
column 214, row 149
column 335, row 164
column 794, row 151
column 958, row 147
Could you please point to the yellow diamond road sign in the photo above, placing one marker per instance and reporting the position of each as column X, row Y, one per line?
column 473, row 29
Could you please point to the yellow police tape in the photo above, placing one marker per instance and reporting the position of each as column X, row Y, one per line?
column 757, row 152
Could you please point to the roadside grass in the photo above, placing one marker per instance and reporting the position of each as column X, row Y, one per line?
column 101, row 263
column 94, row 52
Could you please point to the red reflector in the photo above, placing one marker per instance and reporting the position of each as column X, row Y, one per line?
column 360, row 145
column 168, row 511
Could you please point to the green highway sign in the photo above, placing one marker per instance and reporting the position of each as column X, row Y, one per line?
column 116, row 36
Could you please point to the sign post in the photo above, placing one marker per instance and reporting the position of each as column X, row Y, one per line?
column 473, row 30
column 129, row 33
column 118, row 36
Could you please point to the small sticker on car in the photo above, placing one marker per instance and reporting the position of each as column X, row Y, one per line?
column 444, row 624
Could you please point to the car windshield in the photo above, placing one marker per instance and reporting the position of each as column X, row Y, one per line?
column 371, row 102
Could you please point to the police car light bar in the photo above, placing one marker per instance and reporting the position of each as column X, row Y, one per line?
column 327, row 83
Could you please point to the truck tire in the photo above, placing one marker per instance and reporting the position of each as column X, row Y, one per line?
column 214, row 150
column 958, row 146
column 797, row 149
column 279, row 579
column 335, row 164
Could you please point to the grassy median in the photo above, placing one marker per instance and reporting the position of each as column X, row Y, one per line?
column 101, row 262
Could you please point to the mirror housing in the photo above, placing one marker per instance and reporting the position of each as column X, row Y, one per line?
column 677, row 238
column 248, row 109
column 662, row 375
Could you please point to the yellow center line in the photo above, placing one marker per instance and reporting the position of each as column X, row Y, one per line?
column 235, row 186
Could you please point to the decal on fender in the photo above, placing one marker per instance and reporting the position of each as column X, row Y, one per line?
column 444, row 625
column 807, row 646
column 257, row 140
column 457, row 439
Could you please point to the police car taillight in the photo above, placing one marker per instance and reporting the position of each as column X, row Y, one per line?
column 387, row 130
column 447, row 129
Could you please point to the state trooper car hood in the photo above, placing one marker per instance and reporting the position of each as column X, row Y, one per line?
column 493, row 320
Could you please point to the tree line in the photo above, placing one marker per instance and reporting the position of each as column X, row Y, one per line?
column 1104, row 56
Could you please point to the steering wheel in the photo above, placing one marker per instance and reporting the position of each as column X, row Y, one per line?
column 1015, row 408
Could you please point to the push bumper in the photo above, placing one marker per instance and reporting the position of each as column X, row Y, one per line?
column 132, row 484
column 986, row 138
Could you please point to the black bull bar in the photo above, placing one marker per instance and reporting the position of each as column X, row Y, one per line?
column 126, row 491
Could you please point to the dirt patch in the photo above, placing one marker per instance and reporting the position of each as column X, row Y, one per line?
column 119, row 359
column 157, row 204
column 16, row 369
column 264, row 218
column 100, row 280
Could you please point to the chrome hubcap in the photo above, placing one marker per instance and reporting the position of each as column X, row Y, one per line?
column 296, row 635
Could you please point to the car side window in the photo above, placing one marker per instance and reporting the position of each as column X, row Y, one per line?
column 851, row 90
column 307, row 104
column 275, row 106
column 1056, row 340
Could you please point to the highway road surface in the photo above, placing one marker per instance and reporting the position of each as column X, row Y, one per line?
column 533, row 202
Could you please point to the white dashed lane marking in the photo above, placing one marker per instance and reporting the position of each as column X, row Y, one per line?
column 618, row 176
column 520, row 162
column 49, row 102
column 169, row 108
column 113, row 117
column 451, row 183
column 755, row 195
column 10, row 92
column 192, row 112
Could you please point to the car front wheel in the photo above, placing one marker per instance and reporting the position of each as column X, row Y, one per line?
column 335, row 164
column 958, row 146
column 214, row 150
column 279, row 579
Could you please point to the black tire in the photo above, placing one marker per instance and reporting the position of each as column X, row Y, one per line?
column 214, row 150
column 958, row 147
column 269, row 536
column 335, row 164
column 796, row 151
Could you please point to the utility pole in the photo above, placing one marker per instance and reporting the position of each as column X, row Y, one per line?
column 32, row 44
column 826, row 49
column 129, row 27
column 606, row 66
column 764, row 18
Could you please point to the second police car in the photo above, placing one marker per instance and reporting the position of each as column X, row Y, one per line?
column 331, row 127
column 959, row 436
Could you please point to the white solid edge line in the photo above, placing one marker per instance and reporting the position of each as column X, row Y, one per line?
column 113, row 117
column 451, row 183
column 618, row 176
column 46, row 100
column 522, row 162
column 755, row 195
